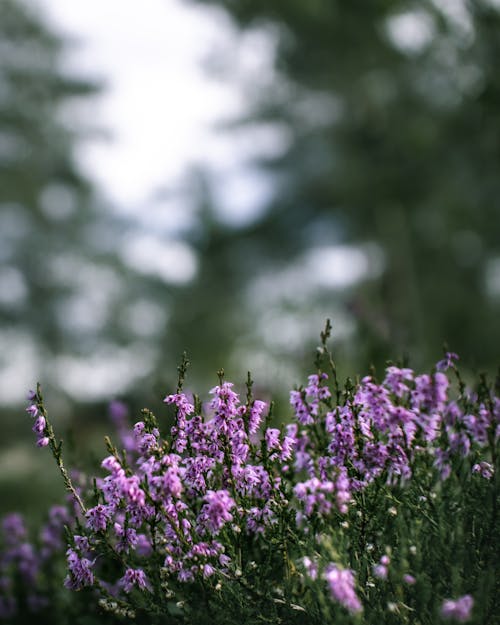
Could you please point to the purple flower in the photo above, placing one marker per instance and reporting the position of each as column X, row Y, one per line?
column 171, row 482
column 311, row 567
column 146, row 441
column 485, row 469
column 409, row 579
column 477, row 425
column 447, row 362
column 341, row 585
column 80, row 571
column 315, row 390
column 32, row 410
column 255, row 415
column 112, row 465
column 313, row 494
column 216, row 511
column 396, row 379
column 134, row 577
column 208, row 570
column 82, row 543
column 39, row 425
column 430, row 393
column 272, row 439
column 303, row 411
column 127, row 538
column 184, row 406
column 13, row 528
column 98, row 517
column 51, row 533
column 458, row 609
column 380, row 571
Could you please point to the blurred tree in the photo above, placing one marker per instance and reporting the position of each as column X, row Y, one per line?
column 392, row 110
column 73, row 311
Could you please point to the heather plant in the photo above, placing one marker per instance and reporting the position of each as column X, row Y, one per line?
column 376, row 503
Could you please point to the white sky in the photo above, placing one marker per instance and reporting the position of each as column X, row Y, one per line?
column 159, row 104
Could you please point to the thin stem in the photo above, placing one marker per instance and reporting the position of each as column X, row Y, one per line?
column 56, row 449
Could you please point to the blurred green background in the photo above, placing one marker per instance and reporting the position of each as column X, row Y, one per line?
column 370, row 195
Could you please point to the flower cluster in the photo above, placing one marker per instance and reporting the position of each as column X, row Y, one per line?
column 22, row 561
column 329, row 502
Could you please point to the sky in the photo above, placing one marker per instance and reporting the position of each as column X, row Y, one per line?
column 159, row 104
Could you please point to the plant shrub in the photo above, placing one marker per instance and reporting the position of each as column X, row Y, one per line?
column 377, row 503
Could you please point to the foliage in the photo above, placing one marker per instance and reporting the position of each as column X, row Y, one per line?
column 377, row 503
column 390, row 114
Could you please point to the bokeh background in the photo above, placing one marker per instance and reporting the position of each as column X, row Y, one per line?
column 220, row 177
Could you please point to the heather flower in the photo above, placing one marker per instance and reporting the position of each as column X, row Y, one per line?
column 131, row 490
column 255, row 415
column 458, row 609
column 302, row 410
column 208, row 570
column 313, row 494
column 216, row 511
column 80, row 571
column 225, row 404
column 184, row 406
column 13, row 528
column 447, row 362
column 430, row 392
column 477, row 425
column 287, row 448
column 341, row 585
column 143, row 547
column 272, row 439
column 134, row 578
column 146, row 441
column 458, row 443
column 396, row 380
column 32, row 410
column 82, row 543
column 51, row 534
column 98, row 517
column 111, row 464
column 381, row 569
column 39, row 425
column 340, row 424
column 485, row 469
column 316, row 390
column 172, row 499
column 311, row 567
column 26, row 560
column 246, row 478
column 171, row 484
column 259, row 519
